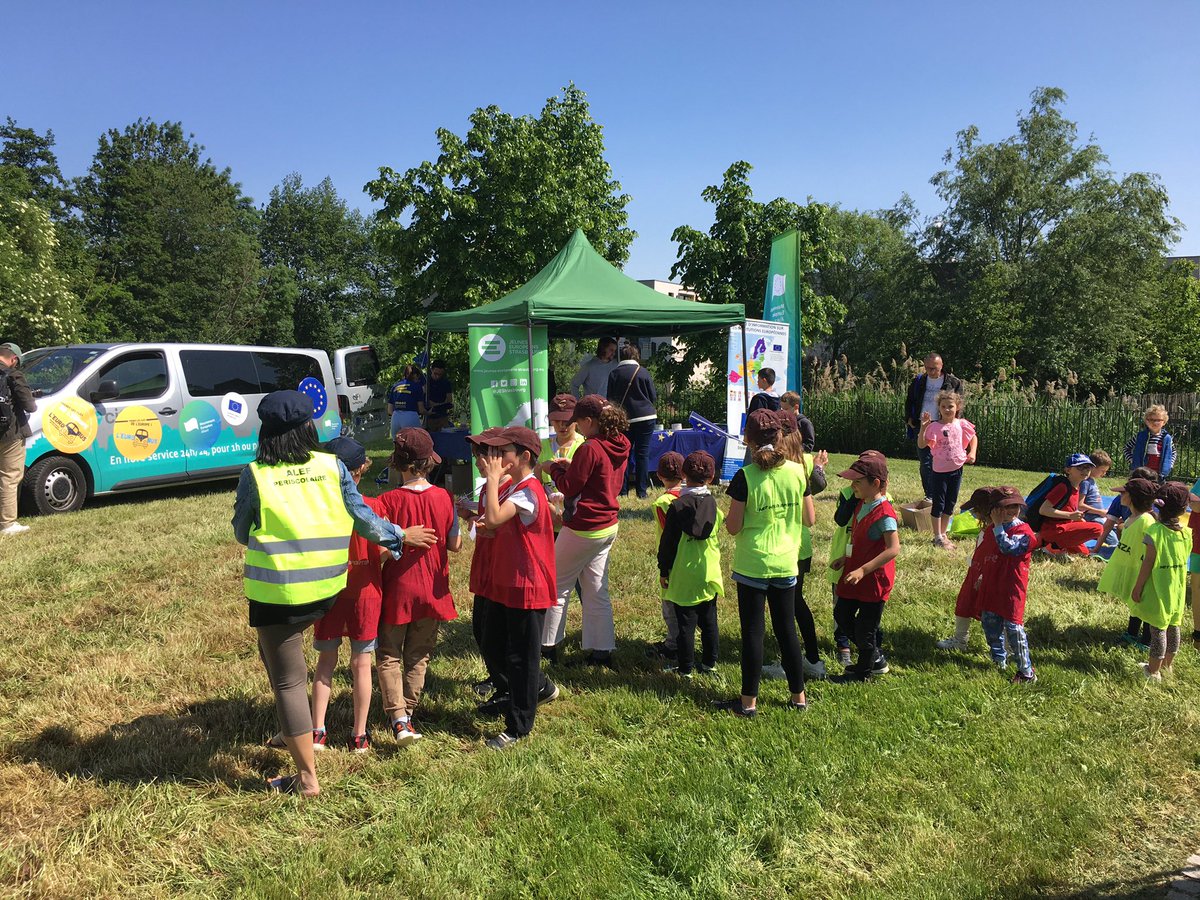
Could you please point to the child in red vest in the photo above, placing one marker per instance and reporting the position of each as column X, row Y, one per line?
column 354, row 615
column 1005, row 582
column 416, row 587
column 514, row 576
column 966, row 605
column 868, row 570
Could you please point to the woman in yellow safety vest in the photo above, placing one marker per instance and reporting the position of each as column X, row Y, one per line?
column 294, row 510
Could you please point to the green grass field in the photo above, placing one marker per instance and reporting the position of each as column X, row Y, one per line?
column 133, row 708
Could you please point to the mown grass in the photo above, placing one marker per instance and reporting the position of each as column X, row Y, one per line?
column 133, row 707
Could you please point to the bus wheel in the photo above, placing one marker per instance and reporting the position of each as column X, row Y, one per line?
column 55, row 484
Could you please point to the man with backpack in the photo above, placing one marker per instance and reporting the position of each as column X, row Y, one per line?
column 16, row 403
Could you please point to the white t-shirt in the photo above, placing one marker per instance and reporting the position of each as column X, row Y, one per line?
column 929, row 404
column 526, row 502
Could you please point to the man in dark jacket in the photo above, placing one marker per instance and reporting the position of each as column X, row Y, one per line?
column 12, row 437
column 631, row 387
column 922, row 397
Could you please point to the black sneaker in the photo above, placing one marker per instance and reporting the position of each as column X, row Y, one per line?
column 494, row 705
column 550, row 654
column 850, row 676
column 880, row 666
column 735, row 706
column 502, row 741
column 661, row 650
column 483, row 688
column 548, row 692
column 599, row 658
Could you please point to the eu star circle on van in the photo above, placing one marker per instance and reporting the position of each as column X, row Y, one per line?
column 234, row 408
column 316, row 392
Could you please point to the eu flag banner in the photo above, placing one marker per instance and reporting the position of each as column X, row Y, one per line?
column 782, row 303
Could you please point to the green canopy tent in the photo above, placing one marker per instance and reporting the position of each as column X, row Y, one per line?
column 580, row 294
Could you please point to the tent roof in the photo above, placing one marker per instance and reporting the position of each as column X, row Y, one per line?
column 581, row 294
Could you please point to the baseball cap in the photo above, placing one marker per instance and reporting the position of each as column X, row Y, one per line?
column 13, row 349
column 870, row 464
column 699, row 466
column 1007, row 495
column 524, row 439
column 489, row 437
column 670, row 465
column 1079, row 459
column 411, row 445
column 1139, row 490
column 1174, row 497
column 562, row 406
column 352, row 454
column 762, row 427
column 281, row 411
column 589, row 407
column 982, row 499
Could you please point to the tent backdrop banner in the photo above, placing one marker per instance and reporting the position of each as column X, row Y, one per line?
column 501, row 393
column 782, row 303
column 766, row 346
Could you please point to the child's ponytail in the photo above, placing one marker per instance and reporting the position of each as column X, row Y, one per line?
column 612, row 421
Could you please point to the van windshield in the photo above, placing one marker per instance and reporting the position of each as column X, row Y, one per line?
column 53, row 368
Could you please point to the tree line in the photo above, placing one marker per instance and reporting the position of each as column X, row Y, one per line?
column 1042, row 262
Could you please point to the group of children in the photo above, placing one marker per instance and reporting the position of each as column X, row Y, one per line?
column 546, row 520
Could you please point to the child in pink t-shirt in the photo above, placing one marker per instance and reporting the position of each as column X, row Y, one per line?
column 952, row 443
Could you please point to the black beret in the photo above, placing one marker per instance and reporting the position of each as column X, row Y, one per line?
column 284, row 410
column 349, row 451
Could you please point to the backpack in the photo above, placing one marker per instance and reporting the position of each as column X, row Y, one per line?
column 7, row 412
column 1038, row 496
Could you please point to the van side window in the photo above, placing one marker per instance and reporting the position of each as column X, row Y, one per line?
column 284, row 371
column 139, row 376
column 362, row 368
column 215, row 373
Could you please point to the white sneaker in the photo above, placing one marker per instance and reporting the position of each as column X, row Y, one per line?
column 1151, row 676
column 15, row 528
column 814, row 670
column 951, row 643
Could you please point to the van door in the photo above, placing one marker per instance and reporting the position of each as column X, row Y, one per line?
column 136, row 393
column 218, row 424
column 362, row 400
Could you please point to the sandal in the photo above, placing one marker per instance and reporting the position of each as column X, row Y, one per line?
column 284, row 784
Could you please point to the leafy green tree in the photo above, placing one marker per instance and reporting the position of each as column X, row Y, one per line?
column 1172, row 332
column 327, row 250
column 729, row 262
column 174, row 239
column 37, row 307
column 496, row 205
column 33, row 153
column 1043, row 253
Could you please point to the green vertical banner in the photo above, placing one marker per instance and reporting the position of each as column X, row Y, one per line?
column 501, row 391
column 782, row 303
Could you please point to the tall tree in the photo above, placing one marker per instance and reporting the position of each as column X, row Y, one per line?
column 729, row 262
column 1044, row 253
column 327, row 249
column 33, row 153
column 496, row 205
column 36, row 306
column 174, row 239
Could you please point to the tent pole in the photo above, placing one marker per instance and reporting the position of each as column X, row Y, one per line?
column 529, row 347
column 745, row 371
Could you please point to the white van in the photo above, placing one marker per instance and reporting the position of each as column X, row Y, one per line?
column 113, row 418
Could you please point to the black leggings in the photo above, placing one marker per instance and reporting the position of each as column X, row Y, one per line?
column 805, row 622
column 860, row 620
column 782, row 603
column 688, row 618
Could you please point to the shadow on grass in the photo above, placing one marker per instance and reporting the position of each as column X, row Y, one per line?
column 1139, row 886
column 207, row 741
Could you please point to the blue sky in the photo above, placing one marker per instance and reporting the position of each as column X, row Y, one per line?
column 852, row 103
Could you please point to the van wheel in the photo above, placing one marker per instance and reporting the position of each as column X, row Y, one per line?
column 55, row 484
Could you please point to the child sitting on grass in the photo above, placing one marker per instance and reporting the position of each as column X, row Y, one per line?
column 1121, row 572
column 952, row 443
column 868, row 569
column 1152, row 447
column 1005, row 582
column 355, row 615
column 1057, row 519
column 670, row 473
column 416, row 587
column 1160, row 593
column 1090, row 498
column 966, row 605
column 689, row 565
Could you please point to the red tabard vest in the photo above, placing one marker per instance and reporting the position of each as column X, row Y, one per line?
column 877, row 586
column 355, row 613
column 417, row 585
column 1006, row 578
column 967, row 604
column 514, row 565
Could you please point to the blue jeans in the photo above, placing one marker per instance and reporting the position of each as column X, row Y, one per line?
column 639, row 457
column 926, row 458
column 994, row 628
column 945, row 491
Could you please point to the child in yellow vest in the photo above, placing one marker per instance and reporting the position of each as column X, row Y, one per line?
column 670, row 473
column 1121, row 571
column 1160, row 593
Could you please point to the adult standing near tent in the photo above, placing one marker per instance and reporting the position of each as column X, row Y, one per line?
column 922, row 398
column 592, row 377
column 406, row 399
column 439, row 397
column 294, row 510
column 631, row 387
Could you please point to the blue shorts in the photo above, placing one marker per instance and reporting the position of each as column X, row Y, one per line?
column 355, row 646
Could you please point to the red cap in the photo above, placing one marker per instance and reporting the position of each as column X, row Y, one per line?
column 699, row 466
column 489, row 437
column 589, row 407
column 413, row 444
column 762, row 427
column 1007, row 495
column 562, row 406
column 524, row 439
column 870, row 464
column 670, row 466
column 981, row 499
